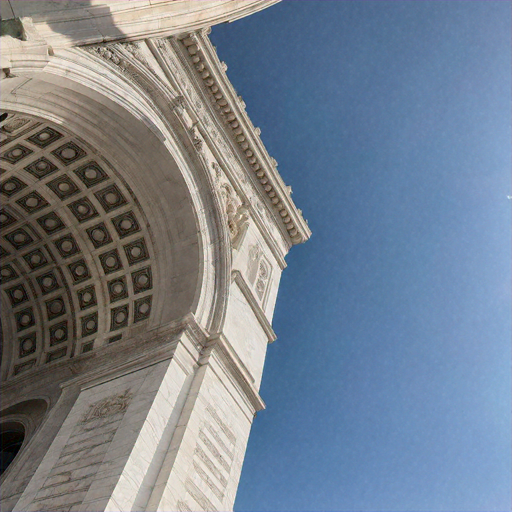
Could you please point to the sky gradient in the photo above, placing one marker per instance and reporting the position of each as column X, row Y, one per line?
column 389, row 387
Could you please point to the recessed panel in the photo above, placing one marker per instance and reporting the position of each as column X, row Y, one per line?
column 41, row 168
column 89, row 324
column 99, row 235
column 47, row 282
column 79, row 271
column 6, row 218
column 87, row 297
column 7, row 273
column 136, row 251
column 45, row 137
column 142, row 309
column 111, row 198
column 67, row 246
column 27, row 345
column 55, row 308
column 15, row 154
column 59, row 333
column 25, row 319
column 17, row 295
column 19, row 238
column 63, row 187
column 83, row 210
column 69, row 153
column 126, row 224
column 142, row 280
column 32, row 202
column 35, row 259
column 119, row 317
column 117, row 289
column 12, row 186
column 51, row 223
column 110, row 261
column 91, row 174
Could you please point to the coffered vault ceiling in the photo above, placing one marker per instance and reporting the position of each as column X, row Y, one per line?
column 76, row 253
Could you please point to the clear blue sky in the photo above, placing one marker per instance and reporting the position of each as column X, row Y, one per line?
column 389, row 387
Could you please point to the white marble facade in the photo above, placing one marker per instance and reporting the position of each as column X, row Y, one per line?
column 144, row 230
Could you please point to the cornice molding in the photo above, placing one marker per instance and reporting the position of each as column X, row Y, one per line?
column 191, row 105
column 230, row 108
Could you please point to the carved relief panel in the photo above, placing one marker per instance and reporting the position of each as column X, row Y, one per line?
column 73, row 473
column 258, row 271
column 237, row 213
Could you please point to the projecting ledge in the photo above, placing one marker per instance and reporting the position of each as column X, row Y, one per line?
column 254, row 304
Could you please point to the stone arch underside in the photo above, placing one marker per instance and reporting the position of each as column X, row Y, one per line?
column 76, row 247
column 100, row 234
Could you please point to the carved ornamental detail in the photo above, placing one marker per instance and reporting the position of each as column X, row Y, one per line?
column 237, row 213
column 258, row 271
column 124, row 57
column 262, row 280
column 109, row 406
column 194, row 47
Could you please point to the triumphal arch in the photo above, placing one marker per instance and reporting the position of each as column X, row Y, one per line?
column 144, row 230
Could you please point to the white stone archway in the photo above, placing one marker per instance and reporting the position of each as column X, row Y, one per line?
column 150, row 361
column 80, row 165
column 145, row 163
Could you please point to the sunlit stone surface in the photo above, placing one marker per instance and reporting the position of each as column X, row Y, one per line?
column 144, row 230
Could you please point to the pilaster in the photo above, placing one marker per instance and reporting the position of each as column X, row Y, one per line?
column 203, row 464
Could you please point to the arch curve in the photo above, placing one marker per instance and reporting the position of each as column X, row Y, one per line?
column 141, row 153
column 23, row 419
